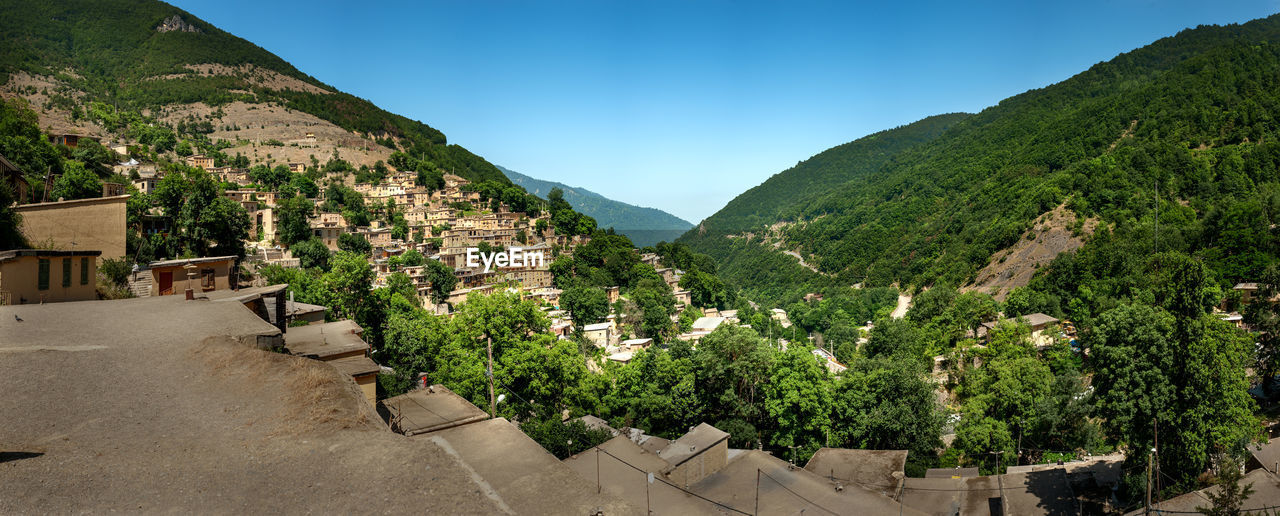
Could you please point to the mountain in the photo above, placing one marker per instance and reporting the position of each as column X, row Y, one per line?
column 111, row 68
column 644, row 226
column 1186, row 125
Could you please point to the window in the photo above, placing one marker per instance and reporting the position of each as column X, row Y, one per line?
column 84, row 271
column 66, row 272
column 206, row 279
column 43, row 282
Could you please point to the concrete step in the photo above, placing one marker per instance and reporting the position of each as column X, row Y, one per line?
column 140, row 283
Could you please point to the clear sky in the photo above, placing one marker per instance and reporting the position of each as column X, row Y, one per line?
column 683, row 105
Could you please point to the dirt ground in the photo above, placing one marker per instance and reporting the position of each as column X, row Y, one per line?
column 257, row 123
column 1015, row 266
column 253, row 124
column 53, row 120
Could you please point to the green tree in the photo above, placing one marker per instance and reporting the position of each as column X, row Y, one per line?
column 586, row 305
column 201, row 220
column 311, row 253
column 798, row 402
column 442, row 280
column 1228, row 498
column 401, row 283
column 76, row 182
column 974, row 308
column 895, row 338
column 884, row 404
column 10, row 236
column 410, row 345
column 353, row 243
column 732, row 365
column 294, row 225
column 705, row 289
column 656, row 391
column 412, row 258
column 657, row 305
column 347, row 286
column 564, row 438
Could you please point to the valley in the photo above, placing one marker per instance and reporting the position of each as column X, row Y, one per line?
column 1072, row 294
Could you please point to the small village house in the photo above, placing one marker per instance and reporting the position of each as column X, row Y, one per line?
column 12, row 176
column 33, row 276
column 171, row 277
column 96, row 223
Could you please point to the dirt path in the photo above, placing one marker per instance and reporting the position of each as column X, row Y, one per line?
column 900, row 311
column 804, row 263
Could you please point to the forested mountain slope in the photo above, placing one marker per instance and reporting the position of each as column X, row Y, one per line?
column 151, row 58
column 1192, row 116
column 743, row 235
column 645, row 226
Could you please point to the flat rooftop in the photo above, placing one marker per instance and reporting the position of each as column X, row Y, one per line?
column 519, row 475
column 428, row 410
column 783, row 490
column 355, row 366
column 877, row 470
column 325, row 340
column 162, row 405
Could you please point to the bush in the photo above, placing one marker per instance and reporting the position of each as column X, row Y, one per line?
column 116, row 270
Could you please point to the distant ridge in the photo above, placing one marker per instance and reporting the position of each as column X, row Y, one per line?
column 644, row 226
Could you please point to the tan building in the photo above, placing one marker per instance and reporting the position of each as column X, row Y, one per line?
column 33, row 276
column 600, row 334
column 200, row 161
column 11, row 175
column 170, row 277
column 97, row 224
column 341, row 345
column 145, row 185
column 696, row 455
column 683, row 297
column 328, row 227
column 264, row 227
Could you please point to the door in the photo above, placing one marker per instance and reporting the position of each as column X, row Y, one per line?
column 166, row 283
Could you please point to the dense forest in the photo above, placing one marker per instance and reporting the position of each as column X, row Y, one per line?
column 1171, row 150
column 1184, row 125
column 112, row 52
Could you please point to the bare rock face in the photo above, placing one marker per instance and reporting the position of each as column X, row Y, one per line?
column 176, row 22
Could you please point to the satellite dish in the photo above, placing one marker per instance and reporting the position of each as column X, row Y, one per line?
column 650, row 478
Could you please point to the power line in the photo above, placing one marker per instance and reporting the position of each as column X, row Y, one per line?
column 660, row 479
column 797, row 495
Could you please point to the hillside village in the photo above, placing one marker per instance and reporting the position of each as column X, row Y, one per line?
column 227, row 286
column 695, row 473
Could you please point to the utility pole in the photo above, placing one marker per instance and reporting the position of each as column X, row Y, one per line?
column 1150, row 457
column 1155, row 453
column 493, row 405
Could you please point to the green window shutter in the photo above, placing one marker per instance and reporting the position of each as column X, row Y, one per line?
column 66, row 272
column 43, row 282
column 84, row 271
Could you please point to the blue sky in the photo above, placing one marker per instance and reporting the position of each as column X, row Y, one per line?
column 683, row 105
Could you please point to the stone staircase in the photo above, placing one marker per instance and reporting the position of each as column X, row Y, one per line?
column 140, row 283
